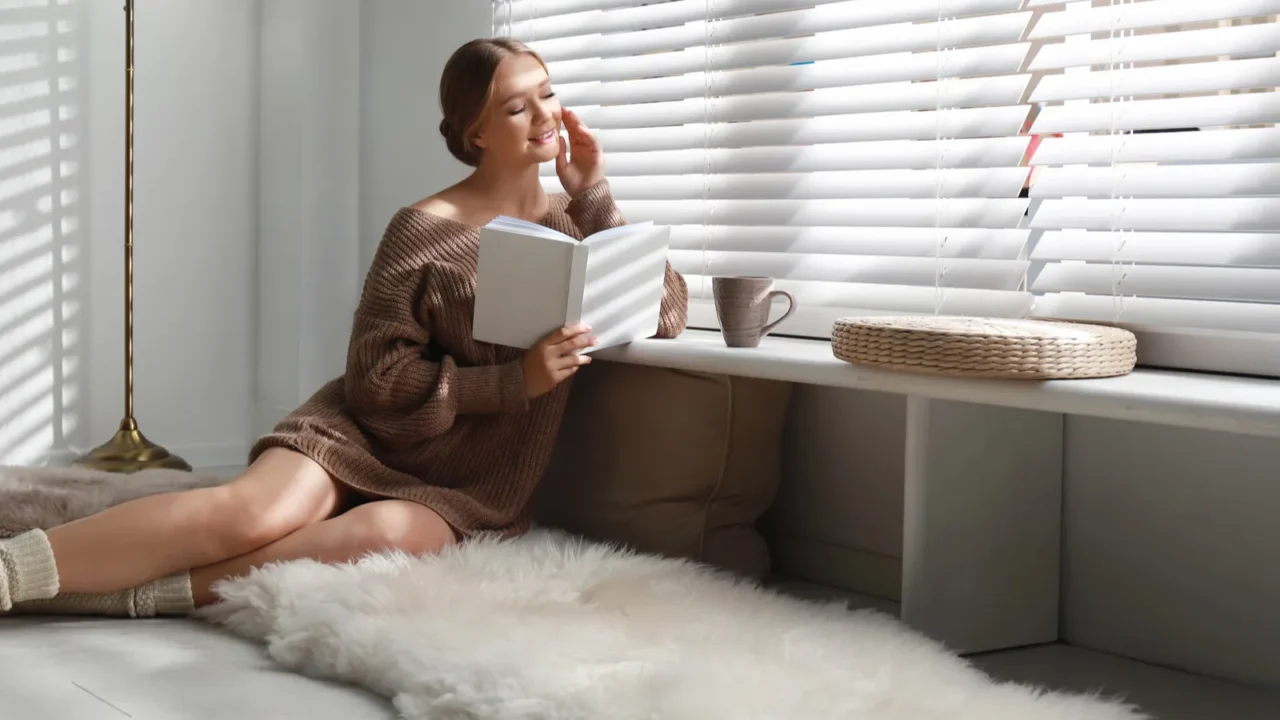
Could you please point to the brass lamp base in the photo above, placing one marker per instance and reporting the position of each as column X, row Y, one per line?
column 130, row 451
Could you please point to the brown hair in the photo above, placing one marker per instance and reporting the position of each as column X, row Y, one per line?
column 466, row 87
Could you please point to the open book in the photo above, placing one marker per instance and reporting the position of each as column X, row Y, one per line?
column 533, row 279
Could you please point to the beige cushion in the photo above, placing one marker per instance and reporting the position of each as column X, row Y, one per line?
column 671, row 462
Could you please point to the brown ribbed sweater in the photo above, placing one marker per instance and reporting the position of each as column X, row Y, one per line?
column 425, row 413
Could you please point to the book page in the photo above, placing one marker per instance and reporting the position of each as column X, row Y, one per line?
column 616, row 231
column 524, row 227
column 522, row 287
column 623, row 280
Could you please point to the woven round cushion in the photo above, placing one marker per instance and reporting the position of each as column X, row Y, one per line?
column 985, row 347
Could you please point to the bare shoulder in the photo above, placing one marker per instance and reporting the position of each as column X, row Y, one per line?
column 439, row 204
column 452, row 204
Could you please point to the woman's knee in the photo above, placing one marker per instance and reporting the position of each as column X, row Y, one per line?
column 401, row 525
column 279, row 494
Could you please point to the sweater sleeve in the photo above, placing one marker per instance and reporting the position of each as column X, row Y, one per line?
column 595, row 210
column 401, row 388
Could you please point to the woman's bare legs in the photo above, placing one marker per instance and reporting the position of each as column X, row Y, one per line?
column 374, row 527
column 146, row 539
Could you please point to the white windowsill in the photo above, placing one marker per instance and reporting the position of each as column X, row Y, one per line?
column 1216, row 402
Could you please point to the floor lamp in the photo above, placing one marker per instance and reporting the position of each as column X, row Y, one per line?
column 129, row 450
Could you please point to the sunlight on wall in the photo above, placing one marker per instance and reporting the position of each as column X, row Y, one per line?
column 40, row 255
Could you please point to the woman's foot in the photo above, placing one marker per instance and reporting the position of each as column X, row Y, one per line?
column 168, row 596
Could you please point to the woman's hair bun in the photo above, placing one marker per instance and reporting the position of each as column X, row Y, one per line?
column 457, row 146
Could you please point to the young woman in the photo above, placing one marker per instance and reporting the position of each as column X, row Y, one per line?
column 428, row 437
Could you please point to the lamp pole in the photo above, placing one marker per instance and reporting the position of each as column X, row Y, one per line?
column 129, row 450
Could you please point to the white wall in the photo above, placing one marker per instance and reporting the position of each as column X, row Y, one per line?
column 348, row 136
column 1170, row 542
column 62, row 218
column 274, row 140
column 838, row 516
column 308, row 274
column 1172, row 546
column 404, row 45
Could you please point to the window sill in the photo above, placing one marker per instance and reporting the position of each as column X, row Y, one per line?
column 1227, row 403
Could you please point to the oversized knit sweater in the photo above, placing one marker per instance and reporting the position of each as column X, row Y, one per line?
column 425, row 413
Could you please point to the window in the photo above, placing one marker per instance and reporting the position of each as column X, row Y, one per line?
column 1104, row 161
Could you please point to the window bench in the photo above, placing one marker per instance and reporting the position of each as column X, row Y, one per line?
column 983, row 480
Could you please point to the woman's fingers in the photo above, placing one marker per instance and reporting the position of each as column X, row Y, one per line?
column 572, row 361
column 575, row 343
column 567, row 353
column 563, row 334
column 578, row 132
column 562, row 158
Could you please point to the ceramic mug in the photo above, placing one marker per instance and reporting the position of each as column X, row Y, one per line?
column 743, row 305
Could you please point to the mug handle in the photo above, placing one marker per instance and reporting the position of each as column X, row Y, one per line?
column 791, row 308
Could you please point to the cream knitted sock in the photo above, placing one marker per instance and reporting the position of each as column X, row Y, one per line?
column 172, row 595
column 27, row 570
column 167, row 596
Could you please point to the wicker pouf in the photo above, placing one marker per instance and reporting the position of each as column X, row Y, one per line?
column 985, row 347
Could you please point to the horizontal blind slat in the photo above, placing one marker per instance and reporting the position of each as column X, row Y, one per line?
column 1224, row 214
column 1239, row 40
column 883, row 154
column 854, row 298
column 981, row 243
column 1186, row 181
column 807, row 19
column 1189, row 112
column 1204, row 146
column 829, row 45
column 1149, row 14
column 1162, row 313
column 959, row 212
column 1170, row 79
column 548, row 8
column 897, row 67
column 886, row 270
column 979, row 182
column 1166, row 248
column 923, row 125
column 884, row 97
column 1191, row 283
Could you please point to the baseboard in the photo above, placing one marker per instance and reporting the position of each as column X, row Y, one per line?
column 213, row 455
column 840, row 567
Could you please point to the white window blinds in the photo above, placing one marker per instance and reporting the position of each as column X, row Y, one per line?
column 1156, row 202
column 875, row 155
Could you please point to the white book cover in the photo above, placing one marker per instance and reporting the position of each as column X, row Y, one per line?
column 532, row 280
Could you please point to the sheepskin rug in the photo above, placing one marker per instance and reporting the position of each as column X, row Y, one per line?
column 547, row 627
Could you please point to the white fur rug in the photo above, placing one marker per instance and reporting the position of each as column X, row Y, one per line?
column 547, row 628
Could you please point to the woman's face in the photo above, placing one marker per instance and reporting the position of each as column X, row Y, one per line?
column 523, row 122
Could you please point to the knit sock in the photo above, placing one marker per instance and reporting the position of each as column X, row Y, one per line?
column 169, row 595
column 27, row 570
column 172, row 595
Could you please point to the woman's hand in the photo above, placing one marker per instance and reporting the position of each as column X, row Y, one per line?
column 580, row 163
column 555, row 358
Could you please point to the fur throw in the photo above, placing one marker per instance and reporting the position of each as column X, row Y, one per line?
column 46, row 497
